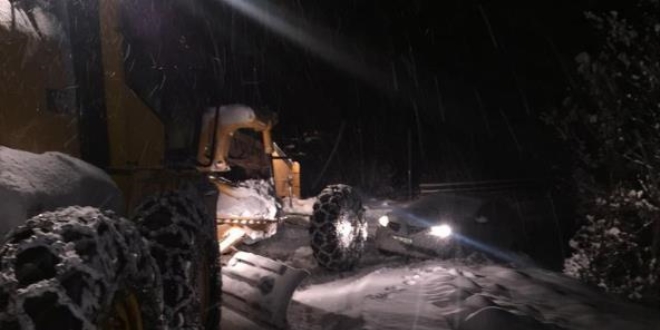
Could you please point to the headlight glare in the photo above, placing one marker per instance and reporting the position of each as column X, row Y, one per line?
column 384, row 221
column 442, row 231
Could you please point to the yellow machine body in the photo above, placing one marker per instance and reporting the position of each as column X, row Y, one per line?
column 36, row 65
column 39, row 112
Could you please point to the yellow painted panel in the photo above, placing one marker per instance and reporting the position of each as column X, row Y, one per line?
column 28, row 67
column 136, row 135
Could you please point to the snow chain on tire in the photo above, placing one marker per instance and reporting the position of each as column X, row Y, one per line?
column 64, row 270
column 182, row 239
column 338, row 229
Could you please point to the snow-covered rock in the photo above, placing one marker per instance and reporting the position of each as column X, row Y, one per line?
column 34, row 183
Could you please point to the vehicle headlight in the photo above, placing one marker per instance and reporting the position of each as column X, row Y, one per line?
column 442, row 231
column 384, row 221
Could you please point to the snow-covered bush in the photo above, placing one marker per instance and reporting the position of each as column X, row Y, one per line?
column 613, row 248
column 612, row 122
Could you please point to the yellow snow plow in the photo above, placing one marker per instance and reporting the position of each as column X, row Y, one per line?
column 247, row 212
column 198, row 179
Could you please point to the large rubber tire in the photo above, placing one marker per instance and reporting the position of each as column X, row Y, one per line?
column 182, row 238
column 66, row 269
column 338, row 228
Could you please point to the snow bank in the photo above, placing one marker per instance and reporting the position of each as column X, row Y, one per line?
column 459, row 294
column 34, row 183
column 455, row 295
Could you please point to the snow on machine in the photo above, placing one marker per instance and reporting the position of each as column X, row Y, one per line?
column 74, row 261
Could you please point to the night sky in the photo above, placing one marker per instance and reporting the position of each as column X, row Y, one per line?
column 466, row 80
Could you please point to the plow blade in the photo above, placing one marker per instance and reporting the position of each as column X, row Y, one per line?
column 259, row 288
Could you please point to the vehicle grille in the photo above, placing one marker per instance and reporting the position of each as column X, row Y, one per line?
column 415, row 229
column 394, row 226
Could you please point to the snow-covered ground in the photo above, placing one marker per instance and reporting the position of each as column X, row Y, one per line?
column 394, row 293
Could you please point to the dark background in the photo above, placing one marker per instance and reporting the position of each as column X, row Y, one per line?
column 457, row 86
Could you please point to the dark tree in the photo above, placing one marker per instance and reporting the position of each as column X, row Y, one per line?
column 612, row 122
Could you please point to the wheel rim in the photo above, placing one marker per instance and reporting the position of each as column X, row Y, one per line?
column 345, row 230
column 349, row 229
column 125, row 314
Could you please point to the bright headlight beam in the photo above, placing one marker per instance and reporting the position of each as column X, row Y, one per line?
column 442, row 231
column 384, row 221
column 294, row 29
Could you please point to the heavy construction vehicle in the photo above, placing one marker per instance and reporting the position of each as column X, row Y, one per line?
column 68, row 84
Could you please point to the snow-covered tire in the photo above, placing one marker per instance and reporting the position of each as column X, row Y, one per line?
column 182, row 238
column 68, row 268
column 338, row 228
